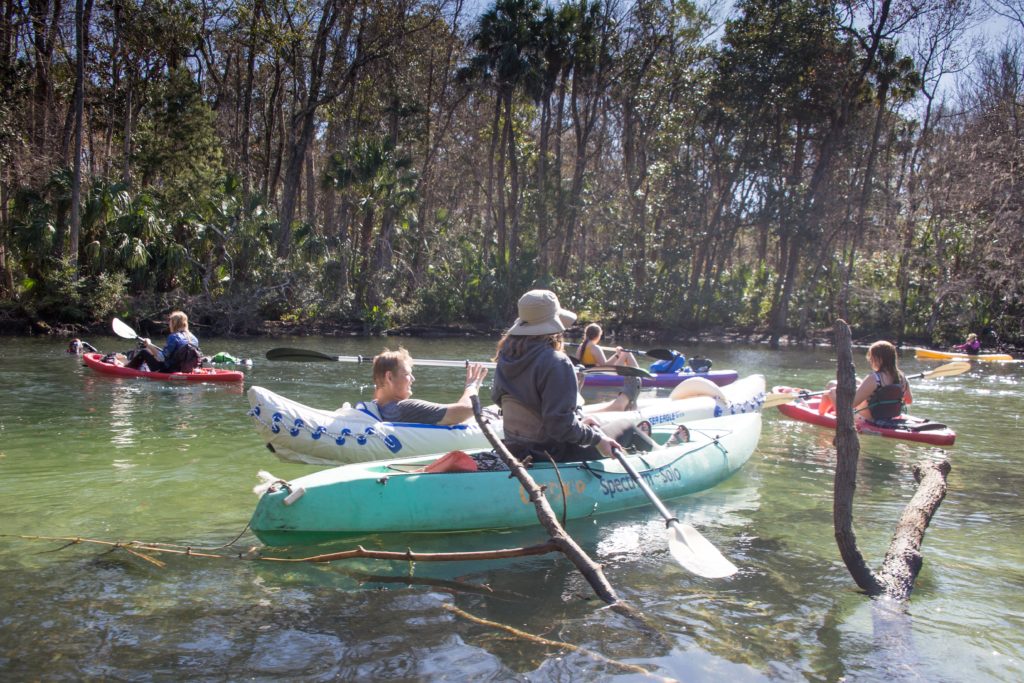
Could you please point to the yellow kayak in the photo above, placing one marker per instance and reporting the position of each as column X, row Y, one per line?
column 929, row 354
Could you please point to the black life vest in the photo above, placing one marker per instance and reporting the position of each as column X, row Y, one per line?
column 185, row 359
column 886, row 402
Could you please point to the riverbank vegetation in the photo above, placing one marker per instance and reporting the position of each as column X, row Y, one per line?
column 409, row 161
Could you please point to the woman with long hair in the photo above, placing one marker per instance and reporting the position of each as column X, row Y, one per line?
column 883, row 392
column 535, row 386
column 590, row 354
column 172, row 358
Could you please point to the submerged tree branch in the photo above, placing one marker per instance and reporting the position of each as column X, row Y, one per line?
column 537, row 640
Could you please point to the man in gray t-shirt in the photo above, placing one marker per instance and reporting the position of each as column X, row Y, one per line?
column 393, row 378
column 412, row 410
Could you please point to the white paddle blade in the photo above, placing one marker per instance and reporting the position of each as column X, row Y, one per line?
column 122, row 329
column 696, row 553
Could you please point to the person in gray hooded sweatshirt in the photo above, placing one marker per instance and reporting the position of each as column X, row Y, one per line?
column 535, row 386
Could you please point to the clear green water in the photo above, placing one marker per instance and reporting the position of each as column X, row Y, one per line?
column 98, row 457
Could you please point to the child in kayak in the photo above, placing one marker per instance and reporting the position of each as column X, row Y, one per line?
column 971, row 346
column 590, row 354
column 873, row 392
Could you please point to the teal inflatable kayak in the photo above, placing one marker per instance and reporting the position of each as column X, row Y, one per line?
column 392, row 496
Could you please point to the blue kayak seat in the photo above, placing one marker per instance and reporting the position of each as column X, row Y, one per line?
column 677, row 363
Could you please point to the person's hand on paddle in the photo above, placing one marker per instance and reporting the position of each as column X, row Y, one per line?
column 607, row 445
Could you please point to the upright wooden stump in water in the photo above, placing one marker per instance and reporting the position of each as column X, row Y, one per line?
column 903, row 560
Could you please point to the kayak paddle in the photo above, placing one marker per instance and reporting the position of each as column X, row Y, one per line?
column 121, row 329
column 659, row 354
column 621, row 370
column 285, row 353
column 948, row 370
column 308, row 355
column 689, row 548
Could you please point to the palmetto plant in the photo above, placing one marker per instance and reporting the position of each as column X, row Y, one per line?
column 380, row 182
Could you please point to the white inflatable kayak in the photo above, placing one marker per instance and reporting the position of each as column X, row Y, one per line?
column 299, row 433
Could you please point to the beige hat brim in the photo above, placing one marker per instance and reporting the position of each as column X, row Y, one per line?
column 559, row 323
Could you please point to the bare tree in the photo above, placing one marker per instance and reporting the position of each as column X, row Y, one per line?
column 82, row 15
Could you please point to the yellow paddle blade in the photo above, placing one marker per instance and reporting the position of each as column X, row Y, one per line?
column 777, row 398
column 949, row 369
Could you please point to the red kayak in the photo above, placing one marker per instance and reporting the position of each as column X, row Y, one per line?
column 904, row 427
column 95, row 361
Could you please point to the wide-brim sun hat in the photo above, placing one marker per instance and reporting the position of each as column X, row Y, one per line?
column 540, row 313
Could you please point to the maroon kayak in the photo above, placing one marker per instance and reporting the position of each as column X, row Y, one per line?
column 95, row 361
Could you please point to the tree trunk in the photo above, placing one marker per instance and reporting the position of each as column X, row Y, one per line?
column 82, row 15
column 270, row 118
column 6, row 276
column 847, row 453
column 862, row 206
column 501, row 225
column 556, row 239
column 583, row 119
column 513, row 200
column 490, row 221
column 364, row 289
column 43, row 34
column 543, row 223
column 903, row 560
column 305, row 121
column 311, row 188
column 246, row 123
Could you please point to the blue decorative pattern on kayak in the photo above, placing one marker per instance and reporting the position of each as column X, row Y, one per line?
column 298, row 427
